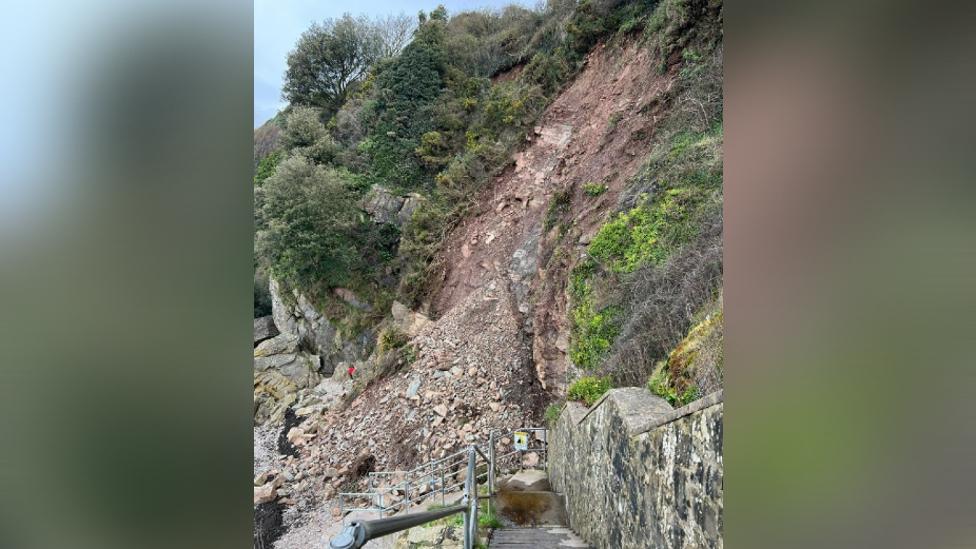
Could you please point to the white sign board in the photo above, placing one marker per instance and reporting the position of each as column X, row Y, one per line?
column 521, row 441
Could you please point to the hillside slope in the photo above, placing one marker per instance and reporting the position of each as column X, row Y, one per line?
column 576, row 237
column 596, row 131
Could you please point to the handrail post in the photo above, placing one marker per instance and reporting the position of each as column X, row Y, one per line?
column 491, row 463
column 471, row 493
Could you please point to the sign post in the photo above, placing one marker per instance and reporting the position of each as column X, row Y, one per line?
column 521, row 441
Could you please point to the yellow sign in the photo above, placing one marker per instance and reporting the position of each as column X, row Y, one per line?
column 521, row 440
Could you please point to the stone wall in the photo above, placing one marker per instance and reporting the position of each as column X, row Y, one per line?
column 639, row 474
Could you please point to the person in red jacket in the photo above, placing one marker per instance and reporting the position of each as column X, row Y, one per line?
column 351, row 369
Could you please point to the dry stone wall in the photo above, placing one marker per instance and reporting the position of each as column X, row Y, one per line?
column 638, row 474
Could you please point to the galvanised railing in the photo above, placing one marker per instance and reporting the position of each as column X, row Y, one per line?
column 393, row 491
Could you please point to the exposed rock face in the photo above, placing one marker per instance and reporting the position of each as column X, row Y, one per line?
column 264, row 328
column 410, row 203
column 385, row 207
column 407, row 321
column 315, row 333
column 288, row 368
column 282, row 343
column 519, row 232
column 638, row 474
column 382, row 205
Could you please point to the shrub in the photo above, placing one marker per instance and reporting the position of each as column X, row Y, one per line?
column 658, row 303
column 594, row 189
column 266, row 167
column 649, row 233
column 661, row 384
column 588, row 389
column 558, row 206
column 306, row 223
column 392, row 338
column 593, row 333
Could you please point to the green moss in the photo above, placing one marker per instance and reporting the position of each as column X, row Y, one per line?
column 674, row 378
column 588, row 389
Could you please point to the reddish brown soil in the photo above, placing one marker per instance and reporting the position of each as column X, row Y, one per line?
column 597, row 130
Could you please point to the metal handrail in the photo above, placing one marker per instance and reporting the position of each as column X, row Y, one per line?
column 424, row 476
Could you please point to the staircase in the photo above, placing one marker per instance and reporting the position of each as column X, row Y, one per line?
column 532, row 515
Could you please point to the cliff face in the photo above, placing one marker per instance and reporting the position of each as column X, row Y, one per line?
column 533, row 223
column 592, row 226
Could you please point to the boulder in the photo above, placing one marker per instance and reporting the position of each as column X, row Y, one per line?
column 273, row 362
column 410, row 204
column 530, row 459
column 407, row 321
column 382, row 205
column 264, row 328
column 413, row 388
column 265, row 493
column 279, row 344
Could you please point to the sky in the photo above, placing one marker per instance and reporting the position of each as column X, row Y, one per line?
column 279, row 23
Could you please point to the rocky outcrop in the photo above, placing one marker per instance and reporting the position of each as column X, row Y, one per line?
column 409, row 322
column 297, row 315
column 637, row 473
column 264, row 328
column 385, row 207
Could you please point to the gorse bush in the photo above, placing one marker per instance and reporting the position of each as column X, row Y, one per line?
column 588, row 389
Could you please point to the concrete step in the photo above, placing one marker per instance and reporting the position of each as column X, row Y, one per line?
column 535, row 538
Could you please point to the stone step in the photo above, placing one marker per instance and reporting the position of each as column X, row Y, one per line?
column 536, row 538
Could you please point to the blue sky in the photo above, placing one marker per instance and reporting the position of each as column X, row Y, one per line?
column 278, row 24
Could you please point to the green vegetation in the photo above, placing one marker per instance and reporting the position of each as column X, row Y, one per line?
column 594, row 330
column 266, row 167
column 694, row 367
column 439, row 111
column 552, row 413
column 558, row 206
column 659, row 257
column 661, row 384
column 588, row 389
column 306, row 224
column 391, row 339
column 487, row 518
column 594, row 189
column 649, row 234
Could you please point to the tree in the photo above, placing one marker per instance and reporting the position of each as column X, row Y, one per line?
column 305, row 135
column 328, row 59
column 307, row 224
column 394, row 32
